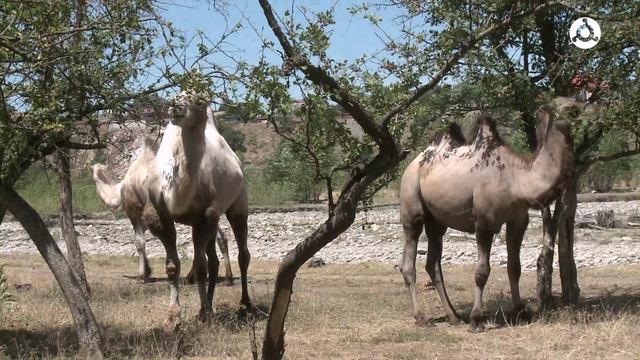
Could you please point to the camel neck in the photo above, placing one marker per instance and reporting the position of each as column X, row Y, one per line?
column 191, row 147
column 537, row 181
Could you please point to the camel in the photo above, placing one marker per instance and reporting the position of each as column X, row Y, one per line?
column 131, row 196
column 478, row 187
column 196, row 178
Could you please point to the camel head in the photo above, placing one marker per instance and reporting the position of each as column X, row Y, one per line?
column 548, row 127
column 98, row 172
column 189, row 109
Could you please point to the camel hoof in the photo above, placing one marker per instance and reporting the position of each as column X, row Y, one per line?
column 247, row 305
column 228, row 282
column 429, row 285
column 477, row 328
column 422, row 321
column 190, row 279
column 173, row 321
column 204, row 316
column 455, row 321
column 142, row 279
column 171, row 269
column 147, row 273
column 521, row 315
column 171, row 325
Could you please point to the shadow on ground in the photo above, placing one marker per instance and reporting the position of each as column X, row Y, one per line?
column 606, row 306
column 122, row 343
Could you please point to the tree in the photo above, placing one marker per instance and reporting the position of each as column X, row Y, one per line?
column 380, row 118
column 66, row 65
column 289, row 167
column 234, row 137
column 527, row 65
column 318, row 147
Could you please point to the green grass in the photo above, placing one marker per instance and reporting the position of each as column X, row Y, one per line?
column 263, row 193
column 39, row 187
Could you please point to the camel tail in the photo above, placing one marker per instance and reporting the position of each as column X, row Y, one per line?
column 106, row 187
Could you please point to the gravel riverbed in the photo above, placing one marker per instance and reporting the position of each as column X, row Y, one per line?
column 375, row 236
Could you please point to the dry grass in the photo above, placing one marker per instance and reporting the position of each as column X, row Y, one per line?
column 338, row 311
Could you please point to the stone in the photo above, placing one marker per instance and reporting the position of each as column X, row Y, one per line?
column 315, row 262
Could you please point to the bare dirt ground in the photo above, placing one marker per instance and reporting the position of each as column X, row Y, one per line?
column 340, row 311
column 356, row 307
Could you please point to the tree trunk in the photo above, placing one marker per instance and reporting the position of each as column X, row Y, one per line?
column 74, row 254
column 545, row 259
column 85, row 322
column 330, row 202
column 565, row 226
column 273, row 344
column 560, row 224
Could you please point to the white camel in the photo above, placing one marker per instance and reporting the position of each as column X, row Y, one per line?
column 194, row 179
column 132, row 197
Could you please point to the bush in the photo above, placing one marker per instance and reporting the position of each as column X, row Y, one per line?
column 265, row 193
column 288, row 169
column 234, row 137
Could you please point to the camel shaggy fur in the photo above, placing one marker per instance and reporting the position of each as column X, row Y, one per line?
column 196, row 178
column 132, row 197
column 478, row 187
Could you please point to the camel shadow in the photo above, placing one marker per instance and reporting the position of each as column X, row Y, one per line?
column 22, row 343
column 606, row 306
column 237, row 318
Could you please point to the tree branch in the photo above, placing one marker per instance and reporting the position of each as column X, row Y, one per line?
column 105, row 106
column 327, row 83
column 591, row 14
column 80, row 146
column 616, row 156
column 453, row 60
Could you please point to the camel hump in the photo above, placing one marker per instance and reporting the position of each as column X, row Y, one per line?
column 487, row 128
column 486, row 121
column 455, row 133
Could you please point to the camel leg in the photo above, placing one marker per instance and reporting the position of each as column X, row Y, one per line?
column 238, row 216
column 212, row 266
column 483, row 269
column 515, row 233
column 224, row 249
column 201, row 235
column 412, row 226
column 144, row 270
column 435, row 232
column 162, row 226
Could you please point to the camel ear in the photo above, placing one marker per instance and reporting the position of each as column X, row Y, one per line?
column 545, row 122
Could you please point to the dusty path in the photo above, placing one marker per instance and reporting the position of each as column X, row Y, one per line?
column 376, row 236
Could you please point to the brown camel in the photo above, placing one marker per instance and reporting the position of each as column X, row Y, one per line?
column 196, row 178
column 478, row 187
column 131, row 196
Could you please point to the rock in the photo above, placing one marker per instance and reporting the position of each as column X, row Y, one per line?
column 20, row 288
column 315, row 262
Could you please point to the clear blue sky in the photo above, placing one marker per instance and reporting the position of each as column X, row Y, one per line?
column 352, row 36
